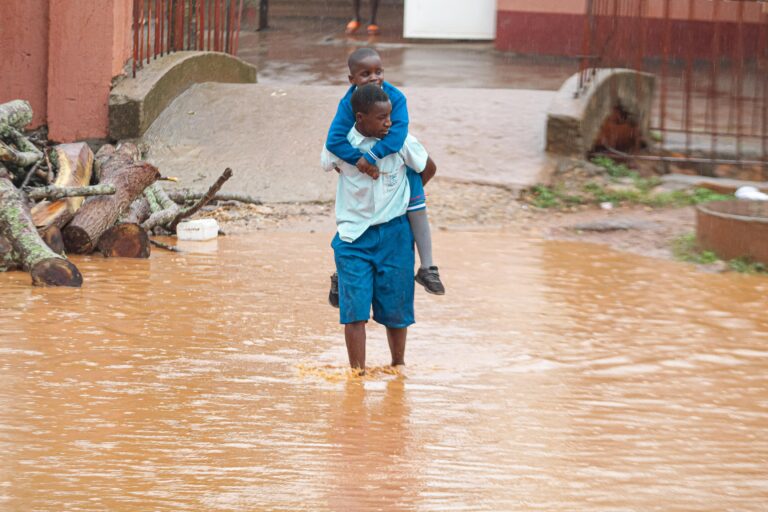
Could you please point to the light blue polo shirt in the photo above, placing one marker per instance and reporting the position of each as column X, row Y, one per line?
column 361, row 201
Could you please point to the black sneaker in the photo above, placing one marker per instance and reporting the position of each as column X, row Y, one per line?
column 429, row 278
column 333, row 294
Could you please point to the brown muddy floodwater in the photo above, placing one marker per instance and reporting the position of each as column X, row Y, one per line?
column 553, row 377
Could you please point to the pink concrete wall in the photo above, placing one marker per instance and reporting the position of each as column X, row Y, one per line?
column 24, row 51
column 86, row 49
column 61, row 56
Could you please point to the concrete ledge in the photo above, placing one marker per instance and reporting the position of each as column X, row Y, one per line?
column 136, row 102
column 573, row 123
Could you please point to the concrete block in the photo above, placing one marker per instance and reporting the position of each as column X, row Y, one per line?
column 574, row 121
column 135, row 103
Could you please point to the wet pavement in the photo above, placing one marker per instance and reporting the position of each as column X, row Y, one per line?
column 480, row 113
column 553, row 376
column 271, row 137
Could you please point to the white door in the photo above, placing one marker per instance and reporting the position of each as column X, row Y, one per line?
column 450, row 19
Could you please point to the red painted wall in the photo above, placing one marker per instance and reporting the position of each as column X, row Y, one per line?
column 556, row 27
column 24, row 51
column 63, row 56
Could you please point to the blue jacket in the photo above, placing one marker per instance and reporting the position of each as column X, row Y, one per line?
column 344, row 120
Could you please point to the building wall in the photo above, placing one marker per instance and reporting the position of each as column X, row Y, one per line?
column 556, row 27
column 24, row 51
column 64, row 54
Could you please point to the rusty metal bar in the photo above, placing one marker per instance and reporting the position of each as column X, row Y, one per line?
column 227, row 24
column 157, row 31
column 141, row 33
column 237, row 30
column 135, row 36
column 149, row 28
column 200, row 25
column 739, row 78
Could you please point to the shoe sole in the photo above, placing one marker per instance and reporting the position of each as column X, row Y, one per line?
column 427, row 289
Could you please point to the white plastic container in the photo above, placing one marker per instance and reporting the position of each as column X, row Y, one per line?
column 198, row 229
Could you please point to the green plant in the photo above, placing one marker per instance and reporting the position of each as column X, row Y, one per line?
column 747, row 266
column 548, row 197
column 614, row 170
column 685, row 248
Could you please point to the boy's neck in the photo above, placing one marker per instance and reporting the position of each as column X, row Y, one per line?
column 361, row 132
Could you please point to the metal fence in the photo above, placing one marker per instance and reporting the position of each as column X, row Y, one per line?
column 165, row 26
column 711, row 63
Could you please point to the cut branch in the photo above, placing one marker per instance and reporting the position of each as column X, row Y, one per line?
column 53, row 192
column 205, row 199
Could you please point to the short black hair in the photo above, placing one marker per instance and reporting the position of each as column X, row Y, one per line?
column 366, row 96
column 360, row 54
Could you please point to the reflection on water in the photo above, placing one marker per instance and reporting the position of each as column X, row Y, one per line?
column 552, row 377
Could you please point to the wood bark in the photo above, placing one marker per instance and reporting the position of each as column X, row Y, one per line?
column 138, row 212
column 183, row 196
column 75, row 168
column 100, row 213
column 28, row 250
column 54, row 193
column 168, row 214
column 125, row 240
column 14, row 115
column 53, row 239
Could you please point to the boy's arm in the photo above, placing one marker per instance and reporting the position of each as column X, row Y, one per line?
column 395, row 139
column 337, row 142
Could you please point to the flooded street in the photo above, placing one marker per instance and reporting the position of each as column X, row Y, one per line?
column 552, row 376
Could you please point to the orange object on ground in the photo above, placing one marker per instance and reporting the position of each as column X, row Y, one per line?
column 352, row 26
column 373, row 30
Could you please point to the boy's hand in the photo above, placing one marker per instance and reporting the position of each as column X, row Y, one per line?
column 365, row 167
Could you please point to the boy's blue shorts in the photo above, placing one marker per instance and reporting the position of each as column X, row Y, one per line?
column 377, row 270
column 418, row 199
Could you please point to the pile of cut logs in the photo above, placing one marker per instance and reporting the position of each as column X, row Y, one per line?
column 65, row 199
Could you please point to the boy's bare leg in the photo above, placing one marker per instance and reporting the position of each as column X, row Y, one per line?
column 354, row 335
column 374, row 11
column 396, row 339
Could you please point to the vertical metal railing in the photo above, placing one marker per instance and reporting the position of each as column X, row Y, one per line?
column 161, row 27
column 711, row 62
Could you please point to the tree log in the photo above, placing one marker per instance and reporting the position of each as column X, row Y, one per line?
column 31, row 253
column 75, row 168
column 138, row 212
column 125, row 240
column 164, row 210
column 54, row 193
column 52, row 238
column 100, row 213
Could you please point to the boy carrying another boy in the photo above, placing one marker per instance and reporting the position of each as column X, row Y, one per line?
column 373, row 246
column 365, row 67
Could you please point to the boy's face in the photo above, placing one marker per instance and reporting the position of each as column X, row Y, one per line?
column 376, row 122
column 367, row 71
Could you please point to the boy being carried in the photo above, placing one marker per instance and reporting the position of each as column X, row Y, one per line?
column 373, row 246
column 365, row 67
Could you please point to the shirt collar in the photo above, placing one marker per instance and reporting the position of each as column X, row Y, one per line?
column 356, row 138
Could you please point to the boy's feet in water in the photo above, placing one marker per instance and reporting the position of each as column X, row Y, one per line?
column 333, row 294
column 429, row 278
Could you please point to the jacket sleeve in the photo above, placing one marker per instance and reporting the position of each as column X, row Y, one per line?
column 395, row 139
column 337, row 142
